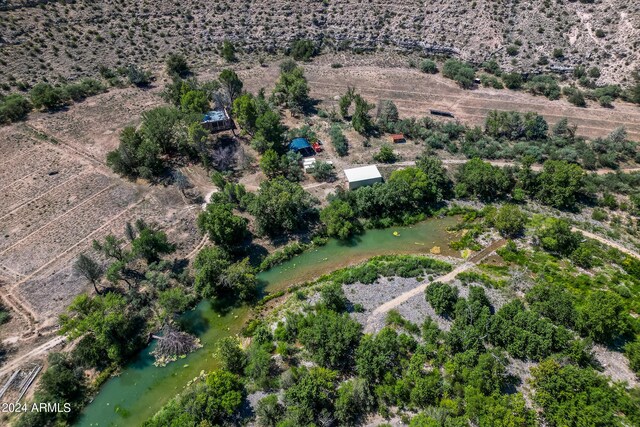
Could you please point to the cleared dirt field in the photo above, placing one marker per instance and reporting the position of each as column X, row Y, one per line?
column 57, row 196
column 415, row 93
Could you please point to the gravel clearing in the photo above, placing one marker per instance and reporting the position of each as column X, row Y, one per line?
column 415, row 309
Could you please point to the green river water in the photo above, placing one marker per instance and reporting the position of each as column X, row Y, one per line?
column 142, row 389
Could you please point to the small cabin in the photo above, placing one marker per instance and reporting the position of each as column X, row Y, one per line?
column 301, row 146
column 397, row 138
column 217, row 120
column 365, row 175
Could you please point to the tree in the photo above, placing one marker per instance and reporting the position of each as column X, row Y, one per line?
column 158, row 128
column 482, row 180
column 270, row 163
column 432, row 166
column 116, row 331
column 379, row 356
column 387, row 115
column 138, row 77
column 222, row 226
column 213, row 402
column 239, row 279
column 89, row 269
column 603, row 317
column 229, row 51
column 345, row 101
column 385, row 155
column 338, row 140
column 176, row 64
column 233, row 358
column 269, row 132
column 292, row 90
column 555, row 236
column 245, row 112
column 560, row 184
column 194, row 101
column 13, row 108
column 231, row 84
column 332, row 297
column 322, row 171
column 510, row 221
column 331, row 338
column 512, row 80
column 209, row 266
column 150, row 244
column 411, row 188
column 43, row 95
column 340, row 219
column 361, row 120
column 461, row 72
column 442, row 297
column 311, row 397
column 281, row 206
column 270, row 411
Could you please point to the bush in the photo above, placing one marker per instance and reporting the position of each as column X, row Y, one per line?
column 461, row 72
column 228, row 51
column 177, row 64
column 43, row 95
column 339, row 141
column 385, row 155
column 512, row 80
column 138, row 77
column 428, row 66
column 442, row 297
column 303, row 50
column 510, row 221
column 13, row 108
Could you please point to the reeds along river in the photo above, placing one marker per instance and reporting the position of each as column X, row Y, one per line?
column 142, row 388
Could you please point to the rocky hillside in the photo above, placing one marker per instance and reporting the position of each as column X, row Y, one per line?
column 67, row 39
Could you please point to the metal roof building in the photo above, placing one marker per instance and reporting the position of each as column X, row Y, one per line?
column 365, row 175
column 217, row 120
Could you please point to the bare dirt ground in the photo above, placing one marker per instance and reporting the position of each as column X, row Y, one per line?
column 415, row 93
column 57, row 196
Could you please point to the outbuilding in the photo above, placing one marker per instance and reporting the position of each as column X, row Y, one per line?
column 217, row 120
column 397, row 138
column 365, row 175
column 302, row 146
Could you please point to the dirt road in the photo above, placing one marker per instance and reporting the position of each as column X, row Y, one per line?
column 607, row 242
column 42, row 349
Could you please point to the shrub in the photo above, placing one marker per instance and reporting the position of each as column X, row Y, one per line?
column 428, row 66
column 461, row 72
column 13, row 108
column 385, row 155
column 303, row 50
column 339, row 141
column 442, row 297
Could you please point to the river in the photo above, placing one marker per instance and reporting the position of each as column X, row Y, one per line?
column 142, row 389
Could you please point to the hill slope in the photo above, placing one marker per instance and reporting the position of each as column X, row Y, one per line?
column 70, row 39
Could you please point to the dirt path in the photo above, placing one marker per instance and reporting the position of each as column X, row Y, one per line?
column 471, row 262
column 608, row 242
column 38, row 351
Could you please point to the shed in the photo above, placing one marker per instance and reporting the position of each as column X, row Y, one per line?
column 365, row 175
column 217, row 120
column 302, row 146
column 397, row 138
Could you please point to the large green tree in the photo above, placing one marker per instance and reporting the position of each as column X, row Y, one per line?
column 281, row 206
column 560, row 184
column 222, row 226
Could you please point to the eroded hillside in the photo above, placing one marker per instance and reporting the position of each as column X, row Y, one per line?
column 67, row 39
